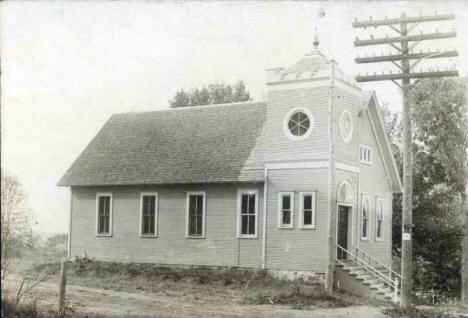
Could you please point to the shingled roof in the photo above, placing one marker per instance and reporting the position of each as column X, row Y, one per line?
column 184, row 145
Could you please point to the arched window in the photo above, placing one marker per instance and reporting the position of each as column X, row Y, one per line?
column 365, row 218
column 379, row 220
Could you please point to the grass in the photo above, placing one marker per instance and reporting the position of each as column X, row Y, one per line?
column 301, row 298
column 413, row 312
column 10, row 309
column 245, row 286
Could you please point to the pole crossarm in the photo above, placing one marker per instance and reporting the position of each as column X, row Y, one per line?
column 399, row 76
column 405, row 78
column 376, row 23
column 408, row 38
column 399, row 57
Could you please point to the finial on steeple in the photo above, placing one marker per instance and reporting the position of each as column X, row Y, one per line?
column 316, row 40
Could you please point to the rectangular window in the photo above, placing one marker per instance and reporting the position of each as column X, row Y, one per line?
column 365, row 213
column 379, row 219
column 307, row 210
column 247, row 214
column 196, row 207
column 365, row 154
column 104, row 214
column 286, row 209
column 149, row 211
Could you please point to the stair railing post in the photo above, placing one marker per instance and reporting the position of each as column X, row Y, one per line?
column 396, row 283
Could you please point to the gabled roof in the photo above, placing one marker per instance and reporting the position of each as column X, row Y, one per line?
column 372, row 105
column 183, row 145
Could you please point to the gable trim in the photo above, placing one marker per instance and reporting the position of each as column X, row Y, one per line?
column 398, row 186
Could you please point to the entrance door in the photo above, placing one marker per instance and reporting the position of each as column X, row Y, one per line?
column 342, row 231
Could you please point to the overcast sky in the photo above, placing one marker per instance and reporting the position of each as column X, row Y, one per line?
column 68, row 66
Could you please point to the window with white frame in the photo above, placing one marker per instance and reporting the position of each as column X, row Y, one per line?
column 365, row 154
column 286, row 209
column 104, row 214
column 307, row 209
column 379, row 219
column 196, row 211
column 365, row 212
column 247, row 214
column 149, row 211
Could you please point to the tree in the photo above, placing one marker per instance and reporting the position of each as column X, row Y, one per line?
column 16, row 233
column 439, row 147
column 216, row 93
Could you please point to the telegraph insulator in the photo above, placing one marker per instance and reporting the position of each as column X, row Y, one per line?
column 372, row 37
column 357, row 39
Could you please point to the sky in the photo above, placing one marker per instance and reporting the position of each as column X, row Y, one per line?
column 67, row 66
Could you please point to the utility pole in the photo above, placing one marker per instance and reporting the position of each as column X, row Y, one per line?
column 404, row 44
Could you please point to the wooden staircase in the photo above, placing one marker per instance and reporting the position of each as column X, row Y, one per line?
column 378, row 279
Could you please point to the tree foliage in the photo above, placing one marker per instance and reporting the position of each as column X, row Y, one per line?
column 439, row 176
column 16, row 233
column 216, row 93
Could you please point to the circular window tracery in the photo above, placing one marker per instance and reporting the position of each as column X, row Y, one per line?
column 298, row 124
column 346, row 126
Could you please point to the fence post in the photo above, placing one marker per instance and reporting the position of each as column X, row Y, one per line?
column 62, row 284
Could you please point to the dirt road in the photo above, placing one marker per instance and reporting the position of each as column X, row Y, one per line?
column 86, row 301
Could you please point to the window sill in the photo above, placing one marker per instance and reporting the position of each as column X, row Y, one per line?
column 379, row 240
column 148, row 236
column 365, row 239
column 307, row 227
column 366, row 163
column 194, row 237
column 104, row 235
column 286, row 227
column 247, row 237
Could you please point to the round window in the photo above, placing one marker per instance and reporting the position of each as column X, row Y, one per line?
column 298, row 123
column 346, row 126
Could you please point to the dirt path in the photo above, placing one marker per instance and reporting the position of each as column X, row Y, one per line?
column 93, row 301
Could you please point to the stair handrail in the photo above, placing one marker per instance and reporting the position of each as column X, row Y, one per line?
column 379, row 262
column 393, row 284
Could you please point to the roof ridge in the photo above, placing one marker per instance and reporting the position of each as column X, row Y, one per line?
column 193, row 107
